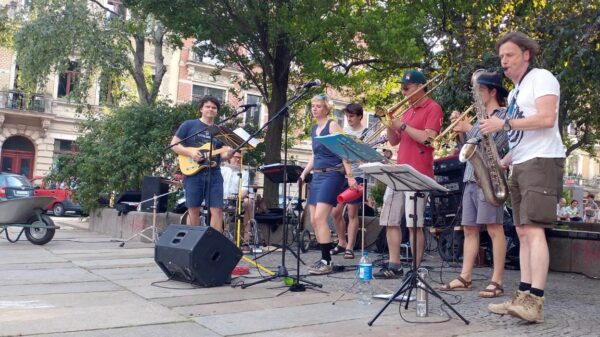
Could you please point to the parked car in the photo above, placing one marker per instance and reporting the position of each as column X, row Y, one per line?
column 14, row 186
column 63, row 202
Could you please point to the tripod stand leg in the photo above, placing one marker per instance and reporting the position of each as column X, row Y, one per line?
column 432, row 291
column 404, row 287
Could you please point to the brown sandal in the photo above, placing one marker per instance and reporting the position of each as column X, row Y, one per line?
column 495, row 291
column 466, row 285
column 349, row 254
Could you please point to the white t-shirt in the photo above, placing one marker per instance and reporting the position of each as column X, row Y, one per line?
column 231, row 181
column 538, row 143
column 356, row 172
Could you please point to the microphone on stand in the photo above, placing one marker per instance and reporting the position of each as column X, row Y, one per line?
column 313, row 83
column 248, row 106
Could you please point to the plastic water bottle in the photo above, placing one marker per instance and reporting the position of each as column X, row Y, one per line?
column 422, row 295
column 364, row 276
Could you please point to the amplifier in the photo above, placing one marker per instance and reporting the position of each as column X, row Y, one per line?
column 447, row 164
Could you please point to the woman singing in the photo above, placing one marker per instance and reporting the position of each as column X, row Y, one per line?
column 327, row 182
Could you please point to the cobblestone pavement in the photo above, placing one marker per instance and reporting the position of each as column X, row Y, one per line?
column 82, row 284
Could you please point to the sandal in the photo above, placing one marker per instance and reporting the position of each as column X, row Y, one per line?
column 466, row 285
column 495, row 291
column 337, row 250
column 348, row 254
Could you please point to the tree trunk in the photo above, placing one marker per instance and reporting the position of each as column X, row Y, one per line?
column 137, row 71
column 274, row 136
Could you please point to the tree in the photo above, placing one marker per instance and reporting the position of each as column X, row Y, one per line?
column 276, row 43
column 104, row 41
column 568, row 34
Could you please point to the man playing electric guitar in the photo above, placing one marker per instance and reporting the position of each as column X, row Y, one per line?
column 196, row 184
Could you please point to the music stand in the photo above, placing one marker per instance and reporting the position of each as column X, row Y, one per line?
column 405, row 178
column 278, row 174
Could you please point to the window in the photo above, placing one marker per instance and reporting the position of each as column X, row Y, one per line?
column 68, row 80
column 199, row 91
column 62, row 146
column 339, row 117
column 204, row 52
column 253, row 114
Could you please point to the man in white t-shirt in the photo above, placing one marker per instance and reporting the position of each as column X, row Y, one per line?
column 231, row 189
column 538, row 158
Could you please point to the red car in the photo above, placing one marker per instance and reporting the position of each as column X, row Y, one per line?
column 63, row 202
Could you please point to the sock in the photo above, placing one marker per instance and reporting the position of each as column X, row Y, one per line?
column 325, row 252
column 394, row 265
column 537, row 292
column 524, row 286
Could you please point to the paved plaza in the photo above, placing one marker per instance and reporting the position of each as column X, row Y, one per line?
column 82, row 284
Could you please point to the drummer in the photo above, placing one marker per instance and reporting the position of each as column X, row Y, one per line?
column 231, row 188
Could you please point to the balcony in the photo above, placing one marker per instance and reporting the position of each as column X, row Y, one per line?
column 18, row 100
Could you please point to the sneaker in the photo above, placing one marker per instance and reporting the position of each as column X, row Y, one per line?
column 502, row 308
column 321, row 267
column 530, row 308
column 388, row 273
column 246, row 249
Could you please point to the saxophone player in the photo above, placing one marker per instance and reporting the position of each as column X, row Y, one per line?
column 537, row 154
column 476, row 210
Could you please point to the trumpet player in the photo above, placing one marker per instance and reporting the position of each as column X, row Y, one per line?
column 476, row 210
column 422, row 121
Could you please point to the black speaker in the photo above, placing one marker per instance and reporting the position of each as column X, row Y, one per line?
column 154, row 186
column 196, row 254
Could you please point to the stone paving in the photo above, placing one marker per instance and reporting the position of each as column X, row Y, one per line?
column 84, row 284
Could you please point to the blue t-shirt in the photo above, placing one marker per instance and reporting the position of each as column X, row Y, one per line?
column 192, row 126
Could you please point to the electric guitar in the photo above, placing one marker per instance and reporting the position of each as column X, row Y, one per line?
column 190, row 167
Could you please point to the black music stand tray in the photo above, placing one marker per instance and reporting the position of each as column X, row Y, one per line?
column 405, row 178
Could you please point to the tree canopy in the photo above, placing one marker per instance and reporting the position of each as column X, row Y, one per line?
column 277, row 44
column 103, row 42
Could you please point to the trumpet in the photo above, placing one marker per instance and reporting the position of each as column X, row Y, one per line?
column 448, row 134
column 386, row 116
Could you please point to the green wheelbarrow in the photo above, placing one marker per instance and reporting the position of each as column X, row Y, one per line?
column 27, row 213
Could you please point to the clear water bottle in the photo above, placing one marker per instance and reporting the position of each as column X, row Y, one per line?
column 422, row 294
column 364, row 276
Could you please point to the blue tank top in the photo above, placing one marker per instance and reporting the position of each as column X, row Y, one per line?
column 323, row 158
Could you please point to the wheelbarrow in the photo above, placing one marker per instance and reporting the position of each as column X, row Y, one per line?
column 27, row 213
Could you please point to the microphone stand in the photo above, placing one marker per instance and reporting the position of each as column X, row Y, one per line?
column 282, row 270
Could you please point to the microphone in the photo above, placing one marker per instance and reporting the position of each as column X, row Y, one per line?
column 313, row 83
column 246, row 106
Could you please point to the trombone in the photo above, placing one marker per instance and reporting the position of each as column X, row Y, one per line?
column 386, row 116
column 448, row 134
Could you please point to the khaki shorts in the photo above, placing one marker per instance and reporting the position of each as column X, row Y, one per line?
column 535, row 188
column 394, row 204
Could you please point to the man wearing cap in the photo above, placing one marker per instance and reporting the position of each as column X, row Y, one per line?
column 422, row 121
column 476, row 211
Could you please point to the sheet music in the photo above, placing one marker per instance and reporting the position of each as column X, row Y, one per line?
column 350, row 148
column 245, row 135
column 401, row 177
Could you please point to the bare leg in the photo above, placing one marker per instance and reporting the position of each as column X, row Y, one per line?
column 322, row 231
column 394, row 239
column 216, row 218
column 470, row 251
column 524, row 255
column 248, row 215
column 496, row 232
column 420, row 244
column 539, row 256
column 340, row 224
column 352, row 225
column 193, row 216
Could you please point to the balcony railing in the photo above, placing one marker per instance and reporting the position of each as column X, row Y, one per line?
column 18, row 100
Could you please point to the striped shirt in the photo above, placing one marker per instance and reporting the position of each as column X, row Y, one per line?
column 500, row 138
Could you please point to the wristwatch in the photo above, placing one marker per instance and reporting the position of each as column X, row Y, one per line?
column 403, row 127
column 507, row 126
